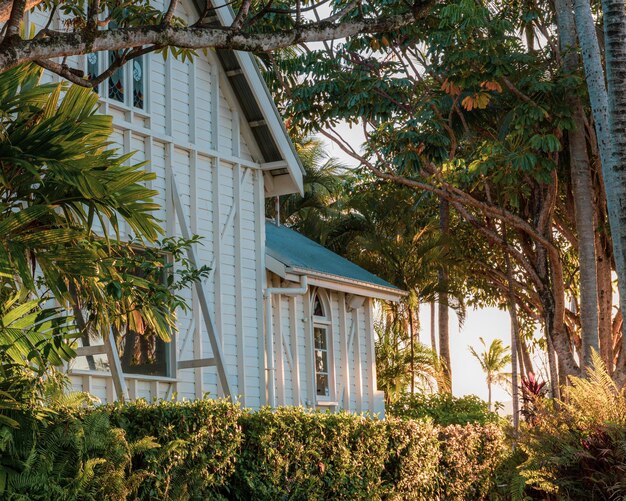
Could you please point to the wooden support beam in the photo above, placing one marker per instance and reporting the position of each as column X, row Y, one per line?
column 345, row 354
column 197, row 363
column 295, row 355
column 86, row 351
column 115, row 366
column 216, row 346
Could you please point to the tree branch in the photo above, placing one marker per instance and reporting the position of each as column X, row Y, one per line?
column 71, row 44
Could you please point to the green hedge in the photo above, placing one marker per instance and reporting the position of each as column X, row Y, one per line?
column 213, row 450
column 443, row 409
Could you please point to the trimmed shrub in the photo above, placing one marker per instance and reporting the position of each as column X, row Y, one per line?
column 211, row 449
column 291, row 453
column 198, row 446
column 470, row 456
column 443, row 409
column 412, row 466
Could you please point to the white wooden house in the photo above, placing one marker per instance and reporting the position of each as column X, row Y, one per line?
column 267, row 326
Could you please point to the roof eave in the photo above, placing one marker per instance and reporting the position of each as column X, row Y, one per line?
column 368, row 289
column 282, row 184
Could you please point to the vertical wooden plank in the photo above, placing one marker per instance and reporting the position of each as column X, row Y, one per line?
column 332, row 363
column 132, row 389
column 295, row 355
column 195, row 313
column 170, row 220
column 279, row 359
column 371, row 354
column 215, row 106
column 311, row 396
column 345, row 354
column 154, row 391
column 192, row 104
column 217, row 256
column 259, row 203
column 87, row 384
column 169, row 126
column 358, row 376
column 236, row 135
column 239, row 284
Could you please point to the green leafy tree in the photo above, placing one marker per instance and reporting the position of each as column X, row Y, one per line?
column 493, row 360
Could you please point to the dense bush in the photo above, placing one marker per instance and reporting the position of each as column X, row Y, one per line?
column 443, row 409
column 212, row 450
column 197, row 442
column 576, row 449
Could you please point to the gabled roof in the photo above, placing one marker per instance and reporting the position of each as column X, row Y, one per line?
column 280, row 160
column 300, row 255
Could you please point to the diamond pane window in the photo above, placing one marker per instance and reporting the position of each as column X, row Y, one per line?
column 116, row 81
column 93, row 69
column 138, row 83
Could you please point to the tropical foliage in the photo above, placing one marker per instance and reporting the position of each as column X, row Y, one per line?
column 577, row 447
column 493, row 360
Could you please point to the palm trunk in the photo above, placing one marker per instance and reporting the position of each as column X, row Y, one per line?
column 433, row 328
column 609, row 116
column 615, row 57
column 582, row 190
column 444, row 334
column 514, row 340
column 412, row 344
column 489, row 394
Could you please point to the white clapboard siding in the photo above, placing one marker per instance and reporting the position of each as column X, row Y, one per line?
column 293, row 344
column 191, row 128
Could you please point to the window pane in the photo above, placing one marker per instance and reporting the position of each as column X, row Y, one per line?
column 321, row 361
column 92, row 65
column 143, row 353
column 116, row 81
column 322, row 385
column 320, row 338
column 318, row 309
column 138, row 83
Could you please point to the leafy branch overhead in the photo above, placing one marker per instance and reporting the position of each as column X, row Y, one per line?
column 138, row 27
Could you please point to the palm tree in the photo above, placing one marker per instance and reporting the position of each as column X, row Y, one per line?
column 401, row 365
column 493, row 360
column 323, row 185
column 59, row 179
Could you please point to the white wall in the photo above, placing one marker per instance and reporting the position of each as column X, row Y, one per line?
column 352, row 378
column 191, row 128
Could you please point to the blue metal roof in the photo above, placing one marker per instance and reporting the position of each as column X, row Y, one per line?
column 297, row 251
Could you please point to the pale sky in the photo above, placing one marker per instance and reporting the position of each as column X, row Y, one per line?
column 488, row 323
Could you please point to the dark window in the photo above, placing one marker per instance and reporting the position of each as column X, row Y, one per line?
column 138, row 83
column 117, row 86
column 92, row 65
column 321, row 361
column 141, row 350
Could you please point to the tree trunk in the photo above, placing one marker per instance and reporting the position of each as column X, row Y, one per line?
column 412, row 345
column 514, row 339
column 615, row 60
column 433, row 328
column 489, row 394
column 444, row 334
column 610, row 126
column 582, row 190
column 605, row 304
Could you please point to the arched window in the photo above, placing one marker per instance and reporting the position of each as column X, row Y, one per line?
column 321, row 344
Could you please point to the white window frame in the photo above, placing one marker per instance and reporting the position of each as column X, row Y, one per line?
column 325, row 323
